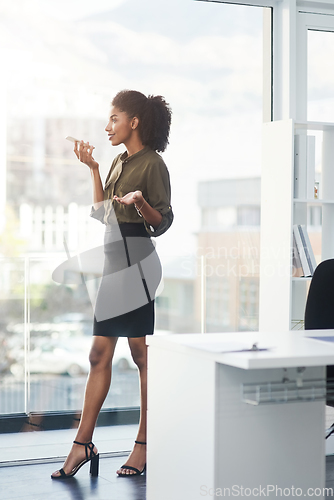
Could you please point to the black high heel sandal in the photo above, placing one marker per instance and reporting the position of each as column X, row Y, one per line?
column 137, row 471
column 91, row 457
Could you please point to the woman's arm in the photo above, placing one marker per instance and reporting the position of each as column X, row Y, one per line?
column 98, row 194
column 84, row 153
column 150, row 214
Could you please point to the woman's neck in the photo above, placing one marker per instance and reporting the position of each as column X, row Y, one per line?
column 133, row 146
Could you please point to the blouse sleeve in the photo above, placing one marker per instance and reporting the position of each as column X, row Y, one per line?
column 98, row 213
column 159, row 197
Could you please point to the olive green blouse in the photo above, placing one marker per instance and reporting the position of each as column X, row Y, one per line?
column 144, row 171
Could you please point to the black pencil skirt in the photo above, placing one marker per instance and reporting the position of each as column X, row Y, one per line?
column 131, row 275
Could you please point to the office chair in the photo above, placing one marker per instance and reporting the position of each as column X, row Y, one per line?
column 319, row 311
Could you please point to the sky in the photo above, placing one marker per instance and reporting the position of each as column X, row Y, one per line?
column 68, row 59
column 75, row 9
column 205, row 58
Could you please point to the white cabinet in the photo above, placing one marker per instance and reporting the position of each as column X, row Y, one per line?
column 282, row 297
column 203, row 437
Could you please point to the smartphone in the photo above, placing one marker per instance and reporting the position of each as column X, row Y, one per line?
column 72, row 139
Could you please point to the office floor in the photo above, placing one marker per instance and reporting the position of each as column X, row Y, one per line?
column 33, row 482
column 25, row 446
column 330, row 475
column 27, row 476
column 28, row 458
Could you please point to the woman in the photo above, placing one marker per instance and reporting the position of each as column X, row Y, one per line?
column 137, row 192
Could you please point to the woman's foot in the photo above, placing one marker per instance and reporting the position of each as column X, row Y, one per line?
column 75, row 457
column 136, row 459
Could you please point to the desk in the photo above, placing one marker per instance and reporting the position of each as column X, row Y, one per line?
column 204, row 441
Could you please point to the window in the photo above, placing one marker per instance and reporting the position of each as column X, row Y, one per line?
column 320, row 77
column 249, row 296
column 206, row 59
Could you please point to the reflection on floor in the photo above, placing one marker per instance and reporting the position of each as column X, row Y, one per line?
column 36, row 445
column 33, row 482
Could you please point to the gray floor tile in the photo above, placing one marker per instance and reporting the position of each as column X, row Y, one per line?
column 33, row 482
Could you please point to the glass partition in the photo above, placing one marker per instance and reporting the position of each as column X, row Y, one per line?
column 320, row 108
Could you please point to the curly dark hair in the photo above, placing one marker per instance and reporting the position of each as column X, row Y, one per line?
column 154, row 115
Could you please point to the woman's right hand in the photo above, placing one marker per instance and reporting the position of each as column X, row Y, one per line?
column 84, row 153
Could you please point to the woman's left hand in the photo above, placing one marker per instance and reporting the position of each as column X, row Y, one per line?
column 150, row 214
column 130, row 198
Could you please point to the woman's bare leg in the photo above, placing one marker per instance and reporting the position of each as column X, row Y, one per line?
column 97, row 388
column 137, row 457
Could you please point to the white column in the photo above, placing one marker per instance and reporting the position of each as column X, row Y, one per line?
column 267, row 62
column 276, row 222
column 328, row 193
column 284, row 60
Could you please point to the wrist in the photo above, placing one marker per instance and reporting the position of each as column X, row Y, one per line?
column 95, row 170
column 139, row 205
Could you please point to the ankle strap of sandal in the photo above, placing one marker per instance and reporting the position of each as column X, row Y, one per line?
column 88, row 446
column 140, row 442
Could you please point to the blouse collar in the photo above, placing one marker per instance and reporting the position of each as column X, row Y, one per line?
column 125, row 158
